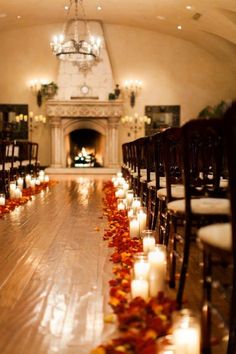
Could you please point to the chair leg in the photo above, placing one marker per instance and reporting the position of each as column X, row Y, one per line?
column 184, row 266
column 206, row 301
column 172, row 256
column 232, row 324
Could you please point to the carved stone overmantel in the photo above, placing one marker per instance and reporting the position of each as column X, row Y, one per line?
column 66, row 116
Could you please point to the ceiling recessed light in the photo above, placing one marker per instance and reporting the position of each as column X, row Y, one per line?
column 179, row 27
column 161, row 18
column 99, row 7
column 18, row 17
column 66, row 7
column 189, row 7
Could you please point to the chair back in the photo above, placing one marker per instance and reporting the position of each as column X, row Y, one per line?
column 203, row 152
column 173, row 165
column 230, row 138
column 158, row 157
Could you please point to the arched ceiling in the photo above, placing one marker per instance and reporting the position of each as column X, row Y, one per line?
column 208, row 23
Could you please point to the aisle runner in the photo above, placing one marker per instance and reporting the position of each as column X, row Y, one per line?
column 27, row 194
column 140, row 322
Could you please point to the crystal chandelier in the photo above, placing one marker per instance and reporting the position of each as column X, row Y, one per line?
column 76, row 44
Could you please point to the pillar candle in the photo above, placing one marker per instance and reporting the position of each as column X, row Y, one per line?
column 46, row 178
column 148, row 243
column 141, row 269
column 134, row 227
column 157, row 274
column 142, row 217
column 129, row 197
column 186, row 335
column 17, row 193
column 2, row 199
column 12, row 188
column 27, row 180
column 120, row 204
column 20, row 182
column 139, row 287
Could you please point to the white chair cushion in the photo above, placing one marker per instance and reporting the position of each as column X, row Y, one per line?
column 25, row 162
column 162, row 182
column 177, row 191
column 208, row 206
column 224, row 183
column 217, row 235
column 143, row 172
column 152, row 184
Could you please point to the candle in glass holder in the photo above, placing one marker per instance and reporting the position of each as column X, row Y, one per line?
column 17, row 193
column 130, row 213
column 120, row 193
column 186, row 333
column 12, row 188
column 141, row 266
column 2, row 199
column 119, row 174
column 139, row 287
column 46, row 178
column 149, row 241
column 32, row 182
column 142, row 217
column 129, row 197
column 136, row 204
column 157, row 274
column 134, row 226
column 37, row 181
column 20, row 182
column 121, row 204
column 27, row 180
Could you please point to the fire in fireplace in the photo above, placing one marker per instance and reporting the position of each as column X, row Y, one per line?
column 86, row 148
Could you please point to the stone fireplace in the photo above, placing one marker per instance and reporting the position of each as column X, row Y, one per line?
column 67, row 117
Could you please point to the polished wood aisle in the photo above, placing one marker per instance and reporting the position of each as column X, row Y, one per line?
column 54, row 270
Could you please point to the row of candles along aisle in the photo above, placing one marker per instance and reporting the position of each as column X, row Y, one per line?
column 15, row 187
column 149, row 273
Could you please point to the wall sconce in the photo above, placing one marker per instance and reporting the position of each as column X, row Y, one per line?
column 133, row 87
column 43, row 89
column 135, row 122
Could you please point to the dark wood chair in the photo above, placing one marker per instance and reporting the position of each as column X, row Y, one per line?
column 219, row 246
column 205, row 200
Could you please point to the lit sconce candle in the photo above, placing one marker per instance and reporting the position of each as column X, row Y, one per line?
column 142, row 217
column 121, row 204
column 134, row 226
column 157, row 274
column 20, row 182
column 27, row 180
column 46, row 178
column 139, row 287
column 17, row 193
column 2, row 199
column 186, row 333
column 12, row 188
column 136, row 204
column 32, row 182
column 129, row 197
column 141, row 266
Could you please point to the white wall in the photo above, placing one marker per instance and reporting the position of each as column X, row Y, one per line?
column 173, row 71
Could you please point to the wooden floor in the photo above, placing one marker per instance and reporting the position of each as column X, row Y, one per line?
column 54, row 272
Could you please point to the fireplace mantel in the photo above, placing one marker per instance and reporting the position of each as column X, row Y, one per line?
column 84, row 108
column 103, row 116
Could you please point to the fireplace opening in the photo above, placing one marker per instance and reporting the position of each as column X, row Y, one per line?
column 86, row 148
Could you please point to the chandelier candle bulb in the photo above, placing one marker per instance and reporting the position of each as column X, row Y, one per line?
column 148, row 243
column 134, row 227
column 139, row 287
column 2, row 199
column 157, row 275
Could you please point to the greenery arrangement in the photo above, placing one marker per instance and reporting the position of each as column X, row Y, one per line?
column 47, row 91
column 214, row 111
